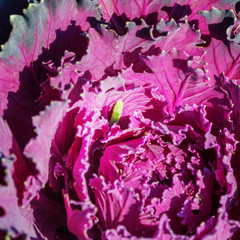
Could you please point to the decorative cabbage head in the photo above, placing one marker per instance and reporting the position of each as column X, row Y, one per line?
column 120, row 120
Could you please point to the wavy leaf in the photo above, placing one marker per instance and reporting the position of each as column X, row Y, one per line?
column 135, row 9
column 46, row 124
column 11, row 212
column 30, row 36
column 107, row 49
column 183, row 81
column 219, row 22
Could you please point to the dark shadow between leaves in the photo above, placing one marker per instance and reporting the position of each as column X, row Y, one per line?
column 7, row 8
column 177, row 11
column 135, row 58
column 218, row 31
column 118, row 23
column 50, row 215
column 237, row 7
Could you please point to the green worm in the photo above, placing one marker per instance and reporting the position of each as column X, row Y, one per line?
column 117, row 111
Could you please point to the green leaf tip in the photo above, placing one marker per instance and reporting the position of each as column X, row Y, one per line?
column 116, row 113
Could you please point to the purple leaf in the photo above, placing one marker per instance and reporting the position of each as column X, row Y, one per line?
column 110, row 49
column 38, row 149
column 219, row 24
column 185, row 80
column 80, row 221
column 179, row 36
column 11, row 212
column 25, row 44
column 136, row 9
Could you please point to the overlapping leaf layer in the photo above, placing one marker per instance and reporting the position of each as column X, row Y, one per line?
column 120, row 120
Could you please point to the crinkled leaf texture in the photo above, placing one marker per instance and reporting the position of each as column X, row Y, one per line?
column 166, row 167
column 223, row 42
column 31, row 35
column 13, row 169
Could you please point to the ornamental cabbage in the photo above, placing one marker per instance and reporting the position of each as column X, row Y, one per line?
column 120, row 120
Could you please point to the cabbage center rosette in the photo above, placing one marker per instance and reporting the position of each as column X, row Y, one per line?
column 128, row 165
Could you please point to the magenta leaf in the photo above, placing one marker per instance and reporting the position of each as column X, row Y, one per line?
column 118, row 233
column 223, row 228
column 80, row 221
column 46, row 124
column 176, row 35
column 25, row 44
column 234, row 94
column 49, row 213
column 220, row 23
column 136, row 9
column 22, row 173
column 11, row 212
column 154, row 10
column 5, row 139
column 196, row 19
column 200, row 207
column 23, row 56
column 111, row 49
column 114, row 202
column 184, row 81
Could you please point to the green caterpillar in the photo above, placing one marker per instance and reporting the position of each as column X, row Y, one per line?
column 117, row 111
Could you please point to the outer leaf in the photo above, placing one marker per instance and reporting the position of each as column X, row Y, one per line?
column 135, row 9
column 174, row 36
column 181, row 82
column 163, row 9
column 191, row 9
column 6, row 9
column 180, row 37
column 46, row 125
column 21, row 171
column 30, row 36
column 80, row 221
column 5, row 139
column 12, row 212
column 107, row 49
column 219, row 22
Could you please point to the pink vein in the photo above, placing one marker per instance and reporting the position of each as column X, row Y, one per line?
column 233, row 67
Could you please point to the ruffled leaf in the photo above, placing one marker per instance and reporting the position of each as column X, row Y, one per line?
column 25, row 43
column 224, row 228
column 179, row 36
column 183, row 81
column 153, row 10
column 80, row 221
column 116, row 204
column 111, row 48
column 11, row 212
column 136, row 9
column 219, row 21
column 38, row 149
